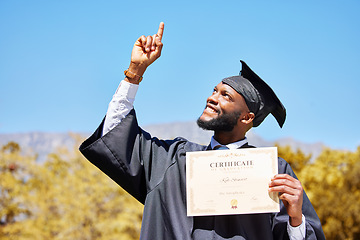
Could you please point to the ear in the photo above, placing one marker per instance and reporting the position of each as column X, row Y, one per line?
column 248, row 118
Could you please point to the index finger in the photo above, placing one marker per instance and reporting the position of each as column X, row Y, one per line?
column 161, row 30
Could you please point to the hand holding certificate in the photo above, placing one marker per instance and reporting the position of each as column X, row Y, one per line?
column 231, row 181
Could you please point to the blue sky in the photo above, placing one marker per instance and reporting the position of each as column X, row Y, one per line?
column 61, row 62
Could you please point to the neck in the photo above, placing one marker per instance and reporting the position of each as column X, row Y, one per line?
column 228, row 137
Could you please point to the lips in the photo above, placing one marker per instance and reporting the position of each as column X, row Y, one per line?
column 211, row 109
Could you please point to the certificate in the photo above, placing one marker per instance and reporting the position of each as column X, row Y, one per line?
column 224, row 182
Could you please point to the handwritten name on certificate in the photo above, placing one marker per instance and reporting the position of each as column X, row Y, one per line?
column 224, row 182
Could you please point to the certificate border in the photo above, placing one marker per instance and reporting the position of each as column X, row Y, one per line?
column 191, row 157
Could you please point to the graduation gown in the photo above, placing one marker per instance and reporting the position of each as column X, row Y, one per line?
column 153, row 171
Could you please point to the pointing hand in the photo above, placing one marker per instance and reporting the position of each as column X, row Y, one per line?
column 145, row 51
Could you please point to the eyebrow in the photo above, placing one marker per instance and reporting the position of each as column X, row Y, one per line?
column 229, row 93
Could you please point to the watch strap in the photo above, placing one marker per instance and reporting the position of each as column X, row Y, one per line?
column 132, row 75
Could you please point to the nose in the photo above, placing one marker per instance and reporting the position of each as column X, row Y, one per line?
column 213, row 98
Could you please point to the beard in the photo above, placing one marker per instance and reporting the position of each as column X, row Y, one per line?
column 224, row 122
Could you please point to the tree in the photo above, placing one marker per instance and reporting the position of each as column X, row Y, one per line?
column 64, row 198
column 332, row 182
column 297, row 160
column 13, row 175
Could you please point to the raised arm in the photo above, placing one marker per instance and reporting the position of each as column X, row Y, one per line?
column 145, row 51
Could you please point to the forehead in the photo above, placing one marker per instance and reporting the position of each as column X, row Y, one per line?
column 237, row 97
column 224, row 87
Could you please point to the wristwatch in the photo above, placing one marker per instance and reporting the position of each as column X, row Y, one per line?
column 132, row 75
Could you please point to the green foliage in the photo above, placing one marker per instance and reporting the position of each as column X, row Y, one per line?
column 66, row 197
column 297, row 160
column 332, row 182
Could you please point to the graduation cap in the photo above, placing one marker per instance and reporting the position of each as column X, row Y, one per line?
column 259, row 97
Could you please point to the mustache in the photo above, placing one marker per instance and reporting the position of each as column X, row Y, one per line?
column 211, row 106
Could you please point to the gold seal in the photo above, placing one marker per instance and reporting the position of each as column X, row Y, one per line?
column 234, row 203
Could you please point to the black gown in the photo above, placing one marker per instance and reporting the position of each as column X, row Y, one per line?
column 153, row 171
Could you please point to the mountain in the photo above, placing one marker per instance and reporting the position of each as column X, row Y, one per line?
column 40, row 143
column 43, row 143
column 192, row 132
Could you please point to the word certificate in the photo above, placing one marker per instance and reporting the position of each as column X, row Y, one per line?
column 224, row 182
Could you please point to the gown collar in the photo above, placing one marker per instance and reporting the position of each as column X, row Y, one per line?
column 234, row 145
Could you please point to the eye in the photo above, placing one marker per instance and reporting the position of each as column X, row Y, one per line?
column 227, row 95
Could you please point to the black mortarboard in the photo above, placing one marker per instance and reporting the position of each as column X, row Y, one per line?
column 259, row 97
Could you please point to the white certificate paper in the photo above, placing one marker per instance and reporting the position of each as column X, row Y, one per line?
column 224, row 182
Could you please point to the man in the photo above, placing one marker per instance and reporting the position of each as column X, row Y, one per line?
column 153, row 170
